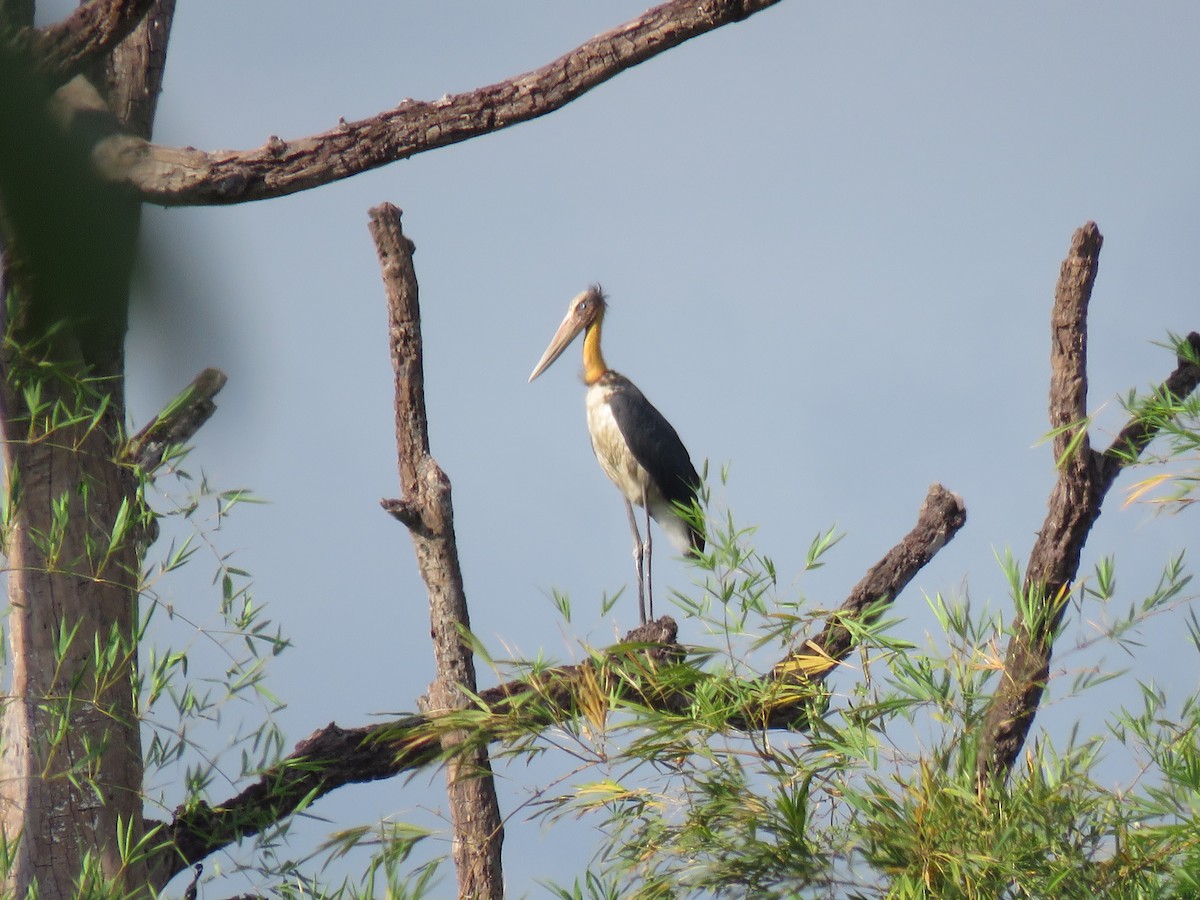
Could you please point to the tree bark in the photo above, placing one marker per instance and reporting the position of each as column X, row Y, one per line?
column 1084, row 478
column 65, row 48
column 941, row 517
column 184, row 176
column 71, row 771
column 429, row 515
column 72, row 756
column 134, row 69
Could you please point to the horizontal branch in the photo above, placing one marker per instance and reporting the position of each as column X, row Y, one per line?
column 333, row 757
column 183, row 176
column 941, row 517
column 635, row 670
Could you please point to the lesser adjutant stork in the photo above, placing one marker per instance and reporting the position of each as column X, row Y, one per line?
column 636, row 446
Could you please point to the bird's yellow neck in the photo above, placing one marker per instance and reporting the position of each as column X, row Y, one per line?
column 593, row 360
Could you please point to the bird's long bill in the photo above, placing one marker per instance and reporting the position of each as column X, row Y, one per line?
column 567, row 331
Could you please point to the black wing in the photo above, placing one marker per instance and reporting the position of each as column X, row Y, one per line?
column 655, row 444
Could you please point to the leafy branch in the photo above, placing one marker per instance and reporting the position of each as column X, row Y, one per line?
column 647, row 670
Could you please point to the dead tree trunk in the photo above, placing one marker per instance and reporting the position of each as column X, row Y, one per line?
column 72, row 757
column 1084, row 478
column 71, row 764
column 427, row 511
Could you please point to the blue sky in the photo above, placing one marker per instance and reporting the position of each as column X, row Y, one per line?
column 830, row 236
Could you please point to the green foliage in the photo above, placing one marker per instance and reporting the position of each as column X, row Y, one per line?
column 188, row 710
column 1176, row 465
column 184, row 709
column 388, row 872
column 874, row 792
column 870, row 792
column 1176, row 479
column 88, row 535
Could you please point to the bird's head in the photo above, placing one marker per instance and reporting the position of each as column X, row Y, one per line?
column 585, row 310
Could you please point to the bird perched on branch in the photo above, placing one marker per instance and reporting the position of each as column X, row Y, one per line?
column 636, row 446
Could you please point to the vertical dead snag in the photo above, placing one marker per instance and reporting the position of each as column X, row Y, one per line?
column 426, row 509
column 1084, row 478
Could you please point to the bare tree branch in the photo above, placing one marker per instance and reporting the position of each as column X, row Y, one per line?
column 334, row 757
column 177, row 422
column 941, row 516
column 474, row 809
column 1084, row 478
column 403, row 511
column 183, row 176
column 63, row 49
column 1068, row 336
column 329, row 758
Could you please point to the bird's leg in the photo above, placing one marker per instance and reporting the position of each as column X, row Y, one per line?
column 637, row 561
column 646, row 554
column 190, row 893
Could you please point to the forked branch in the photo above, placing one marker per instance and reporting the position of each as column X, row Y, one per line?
column 474, row 810
column 1084, row 478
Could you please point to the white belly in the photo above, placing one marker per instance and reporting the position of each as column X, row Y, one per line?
column 612, row 451
column 626, row 472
